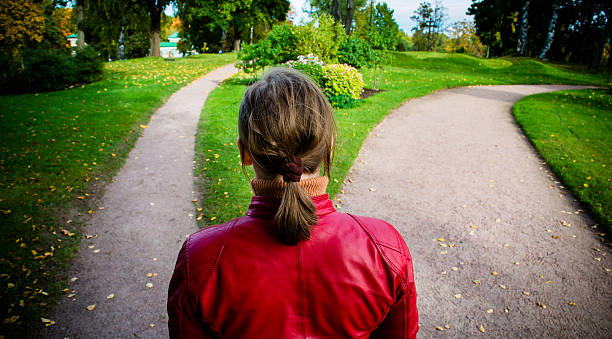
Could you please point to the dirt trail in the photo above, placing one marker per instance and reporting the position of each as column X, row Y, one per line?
column 147, row 214
column 484, row 219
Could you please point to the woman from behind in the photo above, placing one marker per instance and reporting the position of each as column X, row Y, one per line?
column 292, row 267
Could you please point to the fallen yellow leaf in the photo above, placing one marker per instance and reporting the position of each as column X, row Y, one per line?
column 110, row 296
column 439, row 328
column 91, row 307
column 481, row 329
column 149, row 285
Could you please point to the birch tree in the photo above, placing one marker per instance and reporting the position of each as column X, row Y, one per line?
column 551, row 30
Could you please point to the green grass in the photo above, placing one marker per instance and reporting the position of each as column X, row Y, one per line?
column 413, row 74
column 56, row 151
column 572, row 131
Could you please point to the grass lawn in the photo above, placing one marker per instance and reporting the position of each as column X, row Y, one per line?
column 412, row 74
column 572, row 130
column 56, row 150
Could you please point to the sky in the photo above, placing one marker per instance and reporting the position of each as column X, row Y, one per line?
column 404, row 9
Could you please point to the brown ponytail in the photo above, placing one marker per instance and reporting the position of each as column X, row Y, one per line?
column 295, row 215
column 285, row 116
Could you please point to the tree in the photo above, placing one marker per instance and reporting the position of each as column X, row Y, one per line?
column 430, row 22
column 156, row 8
column 522, row 40
column 463, row 39
column 80, row 22
column 342, row 10
column 495, row 22
column 211, row 22
column 22, row 25
column 551, row 30
column 118, row 28
column 376, row 25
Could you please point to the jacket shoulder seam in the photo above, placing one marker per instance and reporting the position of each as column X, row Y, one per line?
column 386, row 260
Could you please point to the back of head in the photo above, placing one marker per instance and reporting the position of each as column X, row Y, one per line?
column 284, row 121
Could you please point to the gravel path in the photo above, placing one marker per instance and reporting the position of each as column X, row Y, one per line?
column 495, row 239
column 125, row 268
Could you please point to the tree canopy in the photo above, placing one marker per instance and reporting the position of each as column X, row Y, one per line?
column 577, row 30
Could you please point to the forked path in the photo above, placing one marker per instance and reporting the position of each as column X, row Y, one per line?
column 124, row 268
column 495, row 239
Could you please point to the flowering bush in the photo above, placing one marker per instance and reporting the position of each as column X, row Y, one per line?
column 310, row 65
column 342, row 80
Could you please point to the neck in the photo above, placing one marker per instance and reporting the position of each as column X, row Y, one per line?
column 272, row 188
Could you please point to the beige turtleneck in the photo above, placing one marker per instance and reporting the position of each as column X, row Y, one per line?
column 274, row 188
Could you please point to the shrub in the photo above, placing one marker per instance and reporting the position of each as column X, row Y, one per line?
column 342, row 101
column 278, row 47
column 310, row 65
column 404, row 44
column 137, row 45
column 341, row 79
column 356, row 52
column 322, row 37
column 49, row 70
column 89, row 65
column 45, row 70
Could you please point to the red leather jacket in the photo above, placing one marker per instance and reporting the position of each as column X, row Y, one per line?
column 352, row 279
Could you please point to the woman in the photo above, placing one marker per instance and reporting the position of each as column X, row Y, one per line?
column 292, row 267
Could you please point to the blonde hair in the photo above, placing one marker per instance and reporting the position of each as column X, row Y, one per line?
column 282, row 116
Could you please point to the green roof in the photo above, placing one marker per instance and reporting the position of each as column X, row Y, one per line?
column 167, row 44
column 173, row 35
column 72, row 36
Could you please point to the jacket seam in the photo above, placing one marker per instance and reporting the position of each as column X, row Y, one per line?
column 212, row 269
column 387, row 260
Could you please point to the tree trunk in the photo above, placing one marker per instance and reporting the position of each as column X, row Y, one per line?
column 80, row 24
column 522, row 40
column 237, row 45
column 122, row 44
column 337, row 10
column 551, row 30
column 155, row 12
column 350, row 11
column 370, row 25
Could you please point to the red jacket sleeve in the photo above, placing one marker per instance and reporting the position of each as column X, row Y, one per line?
column 402, row 320
column 184, row 315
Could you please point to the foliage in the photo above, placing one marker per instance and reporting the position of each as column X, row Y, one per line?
column 341, row 79
column 137, row 43
column 88, row 65
column 356, row 52
column 310, row 65
column 58, row 148
column 430, row 25
column 278, row 47
column 46, row 70
column 184, row 46
column 463, row 39
column 22, row 25
column 404, row 42
column 65, row 20
column 410, row 75
column 571, row 131
column 105, row 21
column 383, row 32
column 214, row 22
column 169, row 26
column 582, row 28
column 342, row 11
column 322, row 37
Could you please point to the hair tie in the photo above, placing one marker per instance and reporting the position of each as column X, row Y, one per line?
column 291, row 169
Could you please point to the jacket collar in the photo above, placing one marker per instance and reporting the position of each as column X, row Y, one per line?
column 264, row 207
